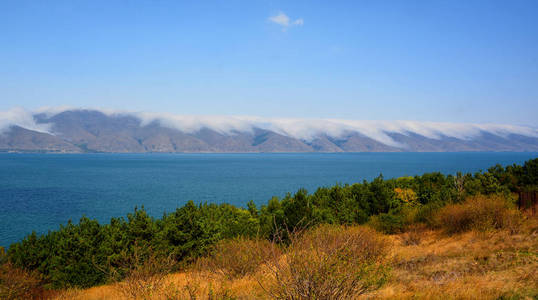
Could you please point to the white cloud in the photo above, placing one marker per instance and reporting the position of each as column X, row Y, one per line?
column 283, row 20
column 280, row 19
column 304, row 129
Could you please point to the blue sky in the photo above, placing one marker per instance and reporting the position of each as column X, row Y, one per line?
column 450, row 61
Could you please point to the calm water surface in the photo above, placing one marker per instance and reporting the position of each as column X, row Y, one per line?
column 40, row 191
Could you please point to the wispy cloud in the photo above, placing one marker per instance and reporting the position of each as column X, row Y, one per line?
column 283, row 20
column 299, row 22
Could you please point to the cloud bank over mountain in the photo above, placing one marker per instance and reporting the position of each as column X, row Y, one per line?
column 305, row 133
column 21, row 117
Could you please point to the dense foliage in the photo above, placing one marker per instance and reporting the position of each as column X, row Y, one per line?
column 87, row 253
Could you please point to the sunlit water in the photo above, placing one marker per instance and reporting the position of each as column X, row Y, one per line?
column 40, row 191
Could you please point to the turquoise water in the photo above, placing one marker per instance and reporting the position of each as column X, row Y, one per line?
column 40, row 191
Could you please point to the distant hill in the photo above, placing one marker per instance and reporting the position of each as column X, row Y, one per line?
column 77, row 131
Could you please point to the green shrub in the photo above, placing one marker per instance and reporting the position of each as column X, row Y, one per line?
column 388, row 223
column 427, row 213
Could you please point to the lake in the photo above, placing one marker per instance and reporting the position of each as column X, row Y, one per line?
column 41, row 191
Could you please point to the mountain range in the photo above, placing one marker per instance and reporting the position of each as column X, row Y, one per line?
column 83, row 130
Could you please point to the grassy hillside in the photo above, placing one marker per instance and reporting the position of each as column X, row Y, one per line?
column 420, row 263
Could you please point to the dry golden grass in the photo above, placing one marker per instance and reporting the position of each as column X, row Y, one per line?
column 471, row 265
column 187, row 285
column 493, row 264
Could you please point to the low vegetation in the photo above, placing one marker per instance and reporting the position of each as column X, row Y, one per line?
column 328, row 262
column 342, row 262
column 424, row 236
column 17, row 283
column 238, row 257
